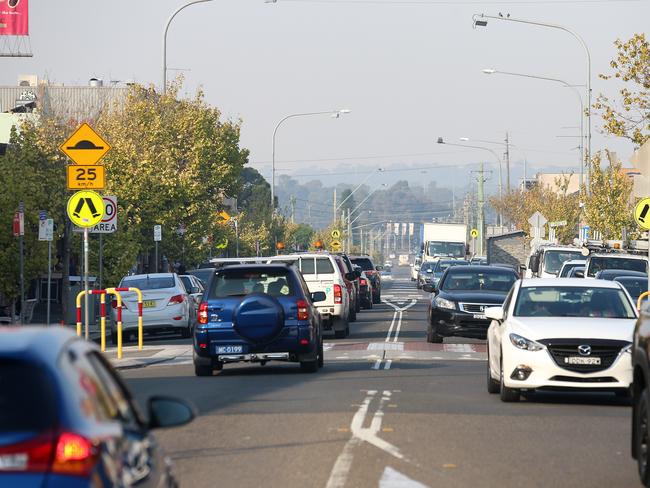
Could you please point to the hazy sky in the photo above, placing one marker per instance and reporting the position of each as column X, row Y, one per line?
column 409, row 71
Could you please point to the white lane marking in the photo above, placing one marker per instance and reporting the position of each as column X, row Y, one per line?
column 391, row 478
column 369, row 434
column 339, row 474
column 392, row 324
column 388, row 363
column 377, row 364
column 399, row 327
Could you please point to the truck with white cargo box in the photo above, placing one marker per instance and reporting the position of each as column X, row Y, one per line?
column 443, row 240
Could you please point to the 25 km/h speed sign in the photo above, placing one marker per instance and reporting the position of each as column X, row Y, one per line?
column 86, row 177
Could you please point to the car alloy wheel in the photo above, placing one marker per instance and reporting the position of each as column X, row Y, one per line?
column 641, row 437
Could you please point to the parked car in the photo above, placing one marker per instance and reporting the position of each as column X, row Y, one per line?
column 457, row 305
column 258, row 313
column 365, row 290
column 166, row 305
column 567, row 266
column 599, row 262
column 322, row 273
column 68, row 420
column 372, row 272
column 566, row 334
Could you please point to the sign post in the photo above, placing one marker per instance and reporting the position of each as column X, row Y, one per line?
column 642, row 217
column 21, row 244
column 85, row 209
column 474, row 234
column 157, row 237
column 46, row 233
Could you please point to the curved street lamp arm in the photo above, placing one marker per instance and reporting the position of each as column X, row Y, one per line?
column 169, row 21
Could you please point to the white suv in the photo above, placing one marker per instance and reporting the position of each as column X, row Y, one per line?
column 322, row 273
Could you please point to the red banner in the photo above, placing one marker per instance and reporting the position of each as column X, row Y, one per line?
column 14, row 16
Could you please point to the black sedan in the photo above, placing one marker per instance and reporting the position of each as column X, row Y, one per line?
column 457, row 305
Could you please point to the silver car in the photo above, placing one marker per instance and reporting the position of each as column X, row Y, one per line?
column 166, row 305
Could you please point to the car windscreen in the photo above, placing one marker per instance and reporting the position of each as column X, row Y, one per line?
column 454, row 249
column 599, row 263
column 460, row 280
column 239, row 282
column 573, row 301
column 427, row 265
column 365, row 263
column 149, row 282
column 634, row 286
column 553, row 259
column 27, row 398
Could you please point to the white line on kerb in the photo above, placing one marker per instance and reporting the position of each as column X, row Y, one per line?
column 388, row 363
column 377, row 364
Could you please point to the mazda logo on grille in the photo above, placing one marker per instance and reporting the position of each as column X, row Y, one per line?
column 584, row 350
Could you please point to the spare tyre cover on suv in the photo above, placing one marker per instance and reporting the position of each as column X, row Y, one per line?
column 258, row 318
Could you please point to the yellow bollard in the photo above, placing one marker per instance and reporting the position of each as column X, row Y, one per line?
column 102, row 320
column 641, row 297
column 137, row 290
column 113, row 291
column 79, row 295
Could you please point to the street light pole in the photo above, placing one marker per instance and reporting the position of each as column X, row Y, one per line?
column 334, row 113
column 169, row 21
column 491, row 71
column 482, row 23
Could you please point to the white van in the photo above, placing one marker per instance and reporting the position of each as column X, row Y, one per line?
column 322, row 273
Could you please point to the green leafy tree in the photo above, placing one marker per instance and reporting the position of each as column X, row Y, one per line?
column 630, row 116
column 608, row 208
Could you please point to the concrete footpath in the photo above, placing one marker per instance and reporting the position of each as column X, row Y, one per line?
column 149, row 355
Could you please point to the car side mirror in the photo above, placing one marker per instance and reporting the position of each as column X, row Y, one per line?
column 318, row 296
column 167, row 411
column 429, row 288
column 579, row 274
column 494, row 313
column 357, row 273
column 195, row 289
column 351, row 276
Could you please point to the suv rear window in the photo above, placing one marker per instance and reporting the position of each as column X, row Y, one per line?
column 27, row 399
column 149, row 282
column 240, row 282
column 365, row 263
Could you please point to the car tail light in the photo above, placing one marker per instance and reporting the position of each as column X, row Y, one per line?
column 74, row 455
column 338, row 294
column 303, row 310
column 203, row 313
column 29, row 456
column 176, row 299
column 363, row 282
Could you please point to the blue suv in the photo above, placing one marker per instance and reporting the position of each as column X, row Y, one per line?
column 258, row 313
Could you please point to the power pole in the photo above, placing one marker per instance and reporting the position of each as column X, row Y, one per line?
column 334, row 207
column 292, row 202
column 507, row 158
column 480, row 216
column 350, row 241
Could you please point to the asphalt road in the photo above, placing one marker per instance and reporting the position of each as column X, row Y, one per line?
column 407, row 423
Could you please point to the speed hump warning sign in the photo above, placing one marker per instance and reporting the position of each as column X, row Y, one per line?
column 642, row 214
column 86, row 208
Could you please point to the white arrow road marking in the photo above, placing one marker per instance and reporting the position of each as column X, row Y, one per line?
column 341, row 469
column 391, row 478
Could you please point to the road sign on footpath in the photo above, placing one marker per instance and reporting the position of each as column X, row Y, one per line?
column 642, row 214
column 85, row 148
column 474, row 233
column 336, row 234
column 108, row 224
column 157, row 233
column 335, row 245
column 85, row 209
column 537, row 222
column 45, row 230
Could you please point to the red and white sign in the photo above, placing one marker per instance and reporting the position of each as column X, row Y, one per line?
column 14, row 17
column 108, row 225
column 19, row 224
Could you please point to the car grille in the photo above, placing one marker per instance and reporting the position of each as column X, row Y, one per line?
column 475, row 307
column 561, row 349
column 572, row 379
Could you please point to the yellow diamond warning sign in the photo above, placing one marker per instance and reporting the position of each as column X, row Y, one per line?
column 85, row 146
column 86, row 208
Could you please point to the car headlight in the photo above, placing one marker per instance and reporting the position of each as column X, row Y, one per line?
column 444, row 303
column 526, row 344
column 627, row 348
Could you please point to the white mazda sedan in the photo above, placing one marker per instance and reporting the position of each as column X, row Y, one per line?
column 566, row 333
